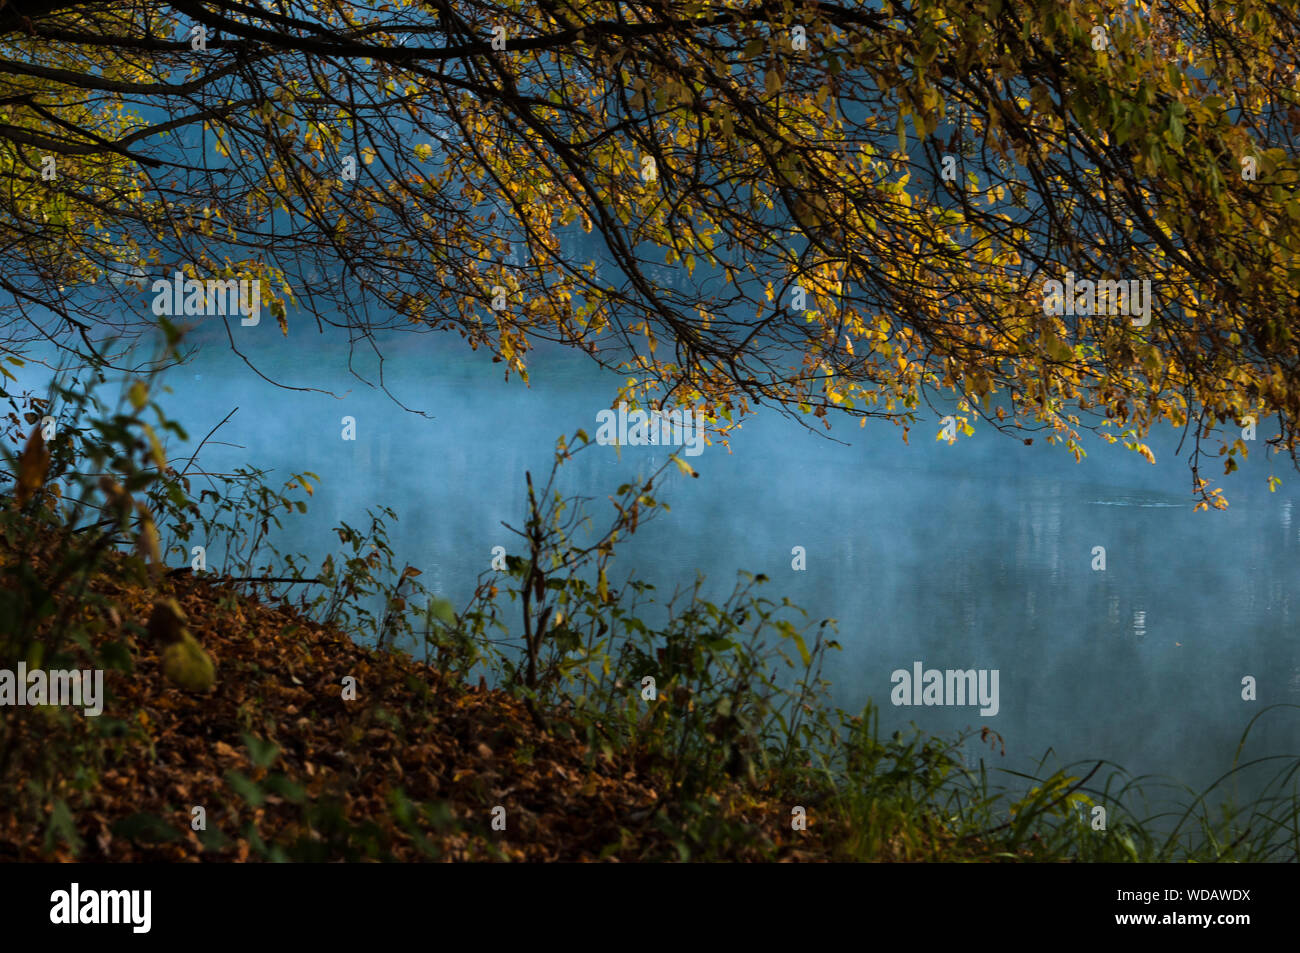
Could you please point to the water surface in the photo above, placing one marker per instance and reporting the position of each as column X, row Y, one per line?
column 975, row 555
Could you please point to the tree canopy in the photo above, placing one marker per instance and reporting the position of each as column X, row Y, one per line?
column 835, row 209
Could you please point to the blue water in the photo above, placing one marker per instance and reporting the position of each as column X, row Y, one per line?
column 975, row 555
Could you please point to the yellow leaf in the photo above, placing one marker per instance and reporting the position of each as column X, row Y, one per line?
column 155, row 447
column 187, row 666
column 33, row 464
column 148, row 542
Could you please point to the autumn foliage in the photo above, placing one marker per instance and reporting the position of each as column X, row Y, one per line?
column 838, row 210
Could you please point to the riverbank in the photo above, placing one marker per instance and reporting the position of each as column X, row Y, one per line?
column 277, row 764
column 280, row 760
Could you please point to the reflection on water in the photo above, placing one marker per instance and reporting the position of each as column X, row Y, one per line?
column 976, row 555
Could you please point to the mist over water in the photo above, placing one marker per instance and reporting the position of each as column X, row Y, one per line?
column 975, row 555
